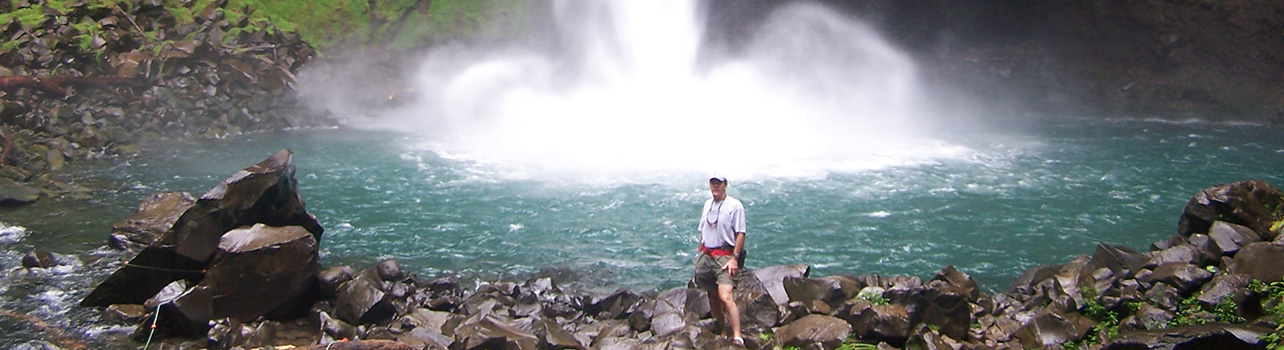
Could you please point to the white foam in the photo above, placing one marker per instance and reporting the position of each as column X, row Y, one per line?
column 814, row 93
column 11, row 234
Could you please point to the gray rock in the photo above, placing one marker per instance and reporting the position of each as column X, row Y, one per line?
column 1259, row 261
column 266, row 193
column 13, row 193
column 772, row 279
column 390, row 270
column 1210, row 336
column 1185, row 277
column 1231, row 237
column 1250, row 203
column 828, row 331
column 262, row 270
column 156, row 214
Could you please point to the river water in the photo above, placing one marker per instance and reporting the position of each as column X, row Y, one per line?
column 588, row 162
column 991, row 203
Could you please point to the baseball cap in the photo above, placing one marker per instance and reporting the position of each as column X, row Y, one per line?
column 718, row 176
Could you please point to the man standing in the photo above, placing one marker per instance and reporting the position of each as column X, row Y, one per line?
column 722, row 240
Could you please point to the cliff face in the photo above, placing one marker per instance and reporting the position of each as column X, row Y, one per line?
column 1169, row 59
column 1212, row 60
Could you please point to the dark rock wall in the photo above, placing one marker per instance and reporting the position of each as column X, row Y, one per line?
column 1210, row 60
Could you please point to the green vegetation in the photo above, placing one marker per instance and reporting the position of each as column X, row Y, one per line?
column 851, row 343
column 394, row 24
column 873, row 295
column 1190, row 312
column 324, row 24
column 1107, row 320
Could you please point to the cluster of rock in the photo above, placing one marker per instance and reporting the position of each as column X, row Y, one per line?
column 238, row 268
column 82, row 80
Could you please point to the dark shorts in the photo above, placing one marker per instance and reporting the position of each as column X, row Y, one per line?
column 709, row 272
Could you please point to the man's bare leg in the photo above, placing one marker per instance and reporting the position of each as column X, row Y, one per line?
column 728, row 301
column 715, row 308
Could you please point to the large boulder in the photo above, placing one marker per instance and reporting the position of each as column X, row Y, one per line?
column 1260, row 261
column 263, row 270
column 1252, row 203
column 156, row 214
column 265, row 193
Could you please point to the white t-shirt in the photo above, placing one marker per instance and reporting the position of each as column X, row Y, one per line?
column 720, row 221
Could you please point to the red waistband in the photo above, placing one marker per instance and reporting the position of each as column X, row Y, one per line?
column 716, row 251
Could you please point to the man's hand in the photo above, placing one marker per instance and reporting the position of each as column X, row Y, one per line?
column 731, row 266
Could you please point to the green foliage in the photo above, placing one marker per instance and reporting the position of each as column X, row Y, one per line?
column 873, row 295
column 857, row 346
column 1274, row 300
column 29, row 17
column 1107, row 320
column 1192, row 312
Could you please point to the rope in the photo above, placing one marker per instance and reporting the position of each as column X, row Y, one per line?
column 127, row 264
column 153, row 331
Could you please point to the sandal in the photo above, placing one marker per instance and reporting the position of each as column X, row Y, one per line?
column 738, row 341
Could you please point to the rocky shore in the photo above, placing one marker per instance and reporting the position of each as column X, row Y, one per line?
column 238, row 268
column 83, row 80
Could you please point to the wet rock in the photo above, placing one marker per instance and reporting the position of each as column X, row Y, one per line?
column 773, row 277
column 1051, row 328
column 263, row 270
column 125, row 313
column 928, row 339
column 1025, row 284
column 758, row 312
column 1147, row 317
column 363, row 301
column 265, row 193
column 950, row 311
column 489, row 332
column 36, row 345
column 951, row 280
column 331, row 278
column 810, row 291
column 1185, row 277
column 1230, row 237
column 390, row 270
column 1222, row 286
column 1259, row 261
column 1185, row 253
column 156, row 214
column 827, row 331
column 617, row 305
column 880, row 323
column 39, row 259
column 1251, row 203
column 1122, row 261
column 13, row 193
column 187, row 315
column 1210, row 336
column 424, row 338
column 676, row 308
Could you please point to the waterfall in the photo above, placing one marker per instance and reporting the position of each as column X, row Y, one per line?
column 622, row 96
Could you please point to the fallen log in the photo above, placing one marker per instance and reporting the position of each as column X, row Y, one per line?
column 56, row 84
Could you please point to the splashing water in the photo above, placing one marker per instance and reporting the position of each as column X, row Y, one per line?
column 811, row 93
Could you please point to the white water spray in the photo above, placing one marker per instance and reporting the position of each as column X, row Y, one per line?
column 813, row 93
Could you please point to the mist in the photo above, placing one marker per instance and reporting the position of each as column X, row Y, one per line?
column 632, row 92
